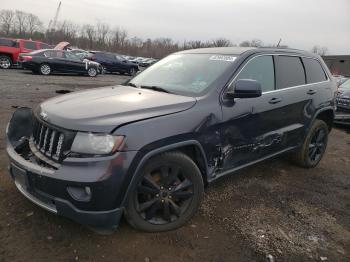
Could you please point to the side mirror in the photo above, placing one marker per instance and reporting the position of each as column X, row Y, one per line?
column 244, row 88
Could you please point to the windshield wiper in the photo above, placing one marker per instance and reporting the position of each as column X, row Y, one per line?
column 132, row 84
column 156, row 88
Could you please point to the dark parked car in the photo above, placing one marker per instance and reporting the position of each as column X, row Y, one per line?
column 48, row 61
column 147, row 62
column 114, row 63
column 342, row 115
column 147, row 148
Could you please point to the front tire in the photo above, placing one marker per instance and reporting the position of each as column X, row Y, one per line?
column 132, row 71
column 92, row 72
column 45, row 69
column 5, row 62
column 314, row 146
column 167, row 193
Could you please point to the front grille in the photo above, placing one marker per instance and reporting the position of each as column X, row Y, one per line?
column 343, row 102
column 52, row 141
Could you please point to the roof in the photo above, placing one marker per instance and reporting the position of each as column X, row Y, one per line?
column 240, row 50
column 219, row 50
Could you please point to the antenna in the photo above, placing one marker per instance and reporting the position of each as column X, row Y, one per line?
column 279, row 42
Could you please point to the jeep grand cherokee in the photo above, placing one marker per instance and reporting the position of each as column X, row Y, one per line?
column 146, row 149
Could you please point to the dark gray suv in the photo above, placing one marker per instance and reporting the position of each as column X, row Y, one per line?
column 147, row 148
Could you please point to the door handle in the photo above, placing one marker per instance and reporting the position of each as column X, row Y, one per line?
column 311, row 92
column 275, row 100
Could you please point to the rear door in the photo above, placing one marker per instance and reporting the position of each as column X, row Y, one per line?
column 292, row 82
column 252, row 126
column 58, row 60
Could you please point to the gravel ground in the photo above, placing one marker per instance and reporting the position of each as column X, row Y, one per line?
column 272, row 211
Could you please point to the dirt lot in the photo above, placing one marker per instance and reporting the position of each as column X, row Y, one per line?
column 273, row 211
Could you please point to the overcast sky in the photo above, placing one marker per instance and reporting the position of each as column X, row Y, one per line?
column 300, row 23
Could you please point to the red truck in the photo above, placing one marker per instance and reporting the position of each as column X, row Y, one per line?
column 11, row 48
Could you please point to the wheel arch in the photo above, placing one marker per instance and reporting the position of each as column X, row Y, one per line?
column 8, row 54
column 191, row 148
column 326, row 115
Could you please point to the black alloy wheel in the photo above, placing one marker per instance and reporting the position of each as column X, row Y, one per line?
column 317, row 145
column 163, row 195
column 314, row 145
column 167, row 194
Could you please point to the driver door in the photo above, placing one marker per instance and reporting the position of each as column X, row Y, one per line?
column 252, row 126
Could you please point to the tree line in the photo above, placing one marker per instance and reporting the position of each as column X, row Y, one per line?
column 104, row 37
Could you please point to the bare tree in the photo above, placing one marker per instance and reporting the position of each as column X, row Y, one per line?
column 221, row 42
column 6, row 21
column 119, row 38
column 21, row 22
column 320, row 50
column 90, row 32
column 252, row 43
column 102, row 31
column 33, row 24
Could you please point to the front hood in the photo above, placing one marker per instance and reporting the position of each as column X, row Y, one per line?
column 104, row 109
column 343, row 93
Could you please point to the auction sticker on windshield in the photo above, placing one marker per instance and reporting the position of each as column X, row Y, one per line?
column 222, row 58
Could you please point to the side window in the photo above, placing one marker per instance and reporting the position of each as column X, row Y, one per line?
column 44, row 46
column 59, row 54
column 260, row 69
column 30, row 45
column 8, row 42
column 289, row 71
column 314, row 71
column 48, row 54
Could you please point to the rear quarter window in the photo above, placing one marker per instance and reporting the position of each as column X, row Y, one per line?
column 289, row 71
column 314, row 71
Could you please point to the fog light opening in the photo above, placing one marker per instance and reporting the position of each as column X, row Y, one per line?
column 82, row 194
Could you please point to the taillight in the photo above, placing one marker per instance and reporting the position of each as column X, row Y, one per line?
column 27, row 57
column 93, row 58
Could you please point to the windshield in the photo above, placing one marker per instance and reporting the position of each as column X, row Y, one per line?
column 345, row 85
column 186, row 74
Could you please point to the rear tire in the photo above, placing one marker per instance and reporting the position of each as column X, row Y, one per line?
column 166, row 194
column 45, row 69
column 5, row 62
column 314, row 146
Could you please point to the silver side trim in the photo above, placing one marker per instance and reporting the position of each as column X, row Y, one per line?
column 50, row 208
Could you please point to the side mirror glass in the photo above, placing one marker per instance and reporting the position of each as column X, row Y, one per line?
column 244, row 88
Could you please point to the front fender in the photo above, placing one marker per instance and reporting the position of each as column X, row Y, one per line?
column 144, row 158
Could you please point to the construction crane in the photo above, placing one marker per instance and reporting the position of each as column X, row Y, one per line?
column 52, row 23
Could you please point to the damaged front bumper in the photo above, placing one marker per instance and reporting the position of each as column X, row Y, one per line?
column 342, row 117
column 86, row 190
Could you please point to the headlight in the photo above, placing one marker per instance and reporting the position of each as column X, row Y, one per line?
column 96, row 144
